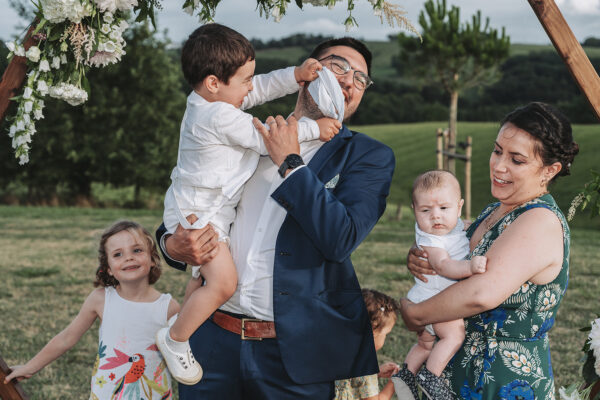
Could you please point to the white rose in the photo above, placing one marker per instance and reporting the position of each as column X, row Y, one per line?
column 33, row 54
column 44, row 65
column 28, row 106
column 27, row 92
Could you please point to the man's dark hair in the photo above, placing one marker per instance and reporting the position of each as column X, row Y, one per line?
column 214, row 49
column 348, row 42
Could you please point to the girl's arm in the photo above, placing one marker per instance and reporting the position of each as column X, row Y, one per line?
column 454, row 269
column 530, row 249
column 59, row 344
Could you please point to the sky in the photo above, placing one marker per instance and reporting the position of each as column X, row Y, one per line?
column 516, row 16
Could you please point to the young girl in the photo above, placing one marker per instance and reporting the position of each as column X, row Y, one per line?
column 132, row 311
column 383, row 312
column 437, row 203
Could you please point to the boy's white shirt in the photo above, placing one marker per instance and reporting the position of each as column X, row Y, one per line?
column 219, row 149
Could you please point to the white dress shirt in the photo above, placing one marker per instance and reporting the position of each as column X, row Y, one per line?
column 254, row 234
column 219, row 149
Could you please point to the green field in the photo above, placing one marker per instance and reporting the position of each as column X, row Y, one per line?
column 49, row 259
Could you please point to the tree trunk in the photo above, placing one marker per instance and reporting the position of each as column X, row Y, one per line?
column 14, row 75
column 452, row 126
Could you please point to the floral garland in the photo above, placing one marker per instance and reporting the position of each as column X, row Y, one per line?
column 71, row 36
column 589, row 389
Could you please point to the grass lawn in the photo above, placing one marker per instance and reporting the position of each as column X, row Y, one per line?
column 49, row 260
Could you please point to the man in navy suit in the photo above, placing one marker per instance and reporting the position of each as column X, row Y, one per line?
column 297, row 320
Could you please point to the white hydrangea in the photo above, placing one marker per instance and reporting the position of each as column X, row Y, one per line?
column 57, row 11
column 69, row 93
column 594, row 341
column 113, row 5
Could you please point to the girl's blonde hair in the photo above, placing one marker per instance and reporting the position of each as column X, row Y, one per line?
column 103, row 277
column 380, row 307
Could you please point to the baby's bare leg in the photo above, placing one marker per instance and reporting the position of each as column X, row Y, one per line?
column 419, row 352
column 451, row 335
column 201, row 301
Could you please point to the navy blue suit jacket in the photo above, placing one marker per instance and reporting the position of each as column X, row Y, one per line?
column 323, row 329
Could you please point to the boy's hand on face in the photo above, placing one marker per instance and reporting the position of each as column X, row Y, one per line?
column 328, row 127
column 307, row 71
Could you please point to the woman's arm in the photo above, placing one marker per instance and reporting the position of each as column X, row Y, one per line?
column 531, row 248
column 66, row 339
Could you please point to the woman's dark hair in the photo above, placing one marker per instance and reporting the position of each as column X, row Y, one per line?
column 552, row 130
column 380, row 307
column 214, row 49
column 103, row 277
column 348, row 42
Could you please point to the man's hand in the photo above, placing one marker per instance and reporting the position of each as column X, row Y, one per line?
column 281, row 139
column 192, row 246
column 388, row 369
column 328, row 128
column 416, row 265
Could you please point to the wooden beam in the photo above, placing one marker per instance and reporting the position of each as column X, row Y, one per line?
column 570, row 50
column 14, row 74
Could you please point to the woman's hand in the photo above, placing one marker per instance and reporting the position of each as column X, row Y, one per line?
column 417, row 264
column 388, row 369
column 406, row 307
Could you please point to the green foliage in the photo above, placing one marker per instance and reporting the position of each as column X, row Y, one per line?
column 126, row 134
column 588, row 198
column 456, row 55
column 592, row 42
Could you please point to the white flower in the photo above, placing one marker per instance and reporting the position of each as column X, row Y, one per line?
column 125, row 5
column 57, row 11
column 23, row 159
column 38, row 114
column 12, row 131
column 105, row 29
column 189, row 10
column 28, row 106
column 27, row 93
column 55, row 62
column 63, row 47
column 11, row 46
column 33, row 54
column 69, row 93
column 568, row 393
column 123, row 25
column 108, row 17
column 44, row 65
column 594, row 341
column 116, row 35
column 276, row 13
column 110, row 47
column 112, row 5
column 20, row 125
column 26, row 119
column 20, row 51
column 63, row 58
column 42, row 87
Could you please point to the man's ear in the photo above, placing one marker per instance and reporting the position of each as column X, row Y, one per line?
column 212, row 84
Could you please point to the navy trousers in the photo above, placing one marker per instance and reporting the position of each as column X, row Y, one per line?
column 236, row 369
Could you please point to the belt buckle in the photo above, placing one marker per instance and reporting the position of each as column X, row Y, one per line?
column 243, row 334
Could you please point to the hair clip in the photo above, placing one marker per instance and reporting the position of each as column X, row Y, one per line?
column 382, row 309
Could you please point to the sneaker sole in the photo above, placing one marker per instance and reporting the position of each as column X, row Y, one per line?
column 402, row 390
column 190, row 382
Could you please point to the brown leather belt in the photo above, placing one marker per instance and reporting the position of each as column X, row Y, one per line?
column 247, row 328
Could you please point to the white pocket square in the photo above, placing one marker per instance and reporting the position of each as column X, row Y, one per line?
column 333, row 182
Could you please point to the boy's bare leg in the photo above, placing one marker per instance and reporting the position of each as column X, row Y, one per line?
column 451, row 335
column 419, row 353
column 191, row 287
column 201, row 301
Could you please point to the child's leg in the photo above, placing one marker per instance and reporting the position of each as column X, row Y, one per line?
column 193, row 284
column 221, row 281
column 419, row 352
column 451, row 336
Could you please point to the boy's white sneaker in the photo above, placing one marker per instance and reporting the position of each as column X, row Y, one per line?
column 182, row 365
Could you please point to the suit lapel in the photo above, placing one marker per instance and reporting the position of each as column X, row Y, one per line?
column 329, row 149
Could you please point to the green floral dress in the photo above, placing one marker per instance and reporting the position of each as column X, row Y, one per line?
column 506, row 354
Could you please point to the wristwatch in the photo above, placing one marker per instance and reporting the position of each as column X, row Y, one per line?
column 291, row 161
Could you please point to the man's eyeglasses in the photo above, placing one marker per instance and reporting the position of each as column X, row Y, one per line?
column 340, row 66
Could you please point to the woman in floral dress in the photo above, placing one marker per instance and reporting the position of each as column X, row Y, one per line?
column 509, row 309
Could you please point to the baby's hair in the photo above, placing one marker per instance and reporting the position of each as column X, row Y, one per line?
column 103, row 278
column 380, row 307
column 432, row 180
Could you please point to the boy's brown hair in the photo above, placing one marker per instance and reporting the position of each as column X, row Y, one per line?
column 103, row 277
column 214, row 49
column 380, row 307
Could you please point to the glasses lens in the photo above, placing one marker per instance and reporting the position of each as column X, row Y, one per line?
column 361, row 80
column 338, row 67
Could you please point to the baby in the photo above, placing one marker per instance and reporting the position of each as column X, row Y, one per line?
column 437, row 204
